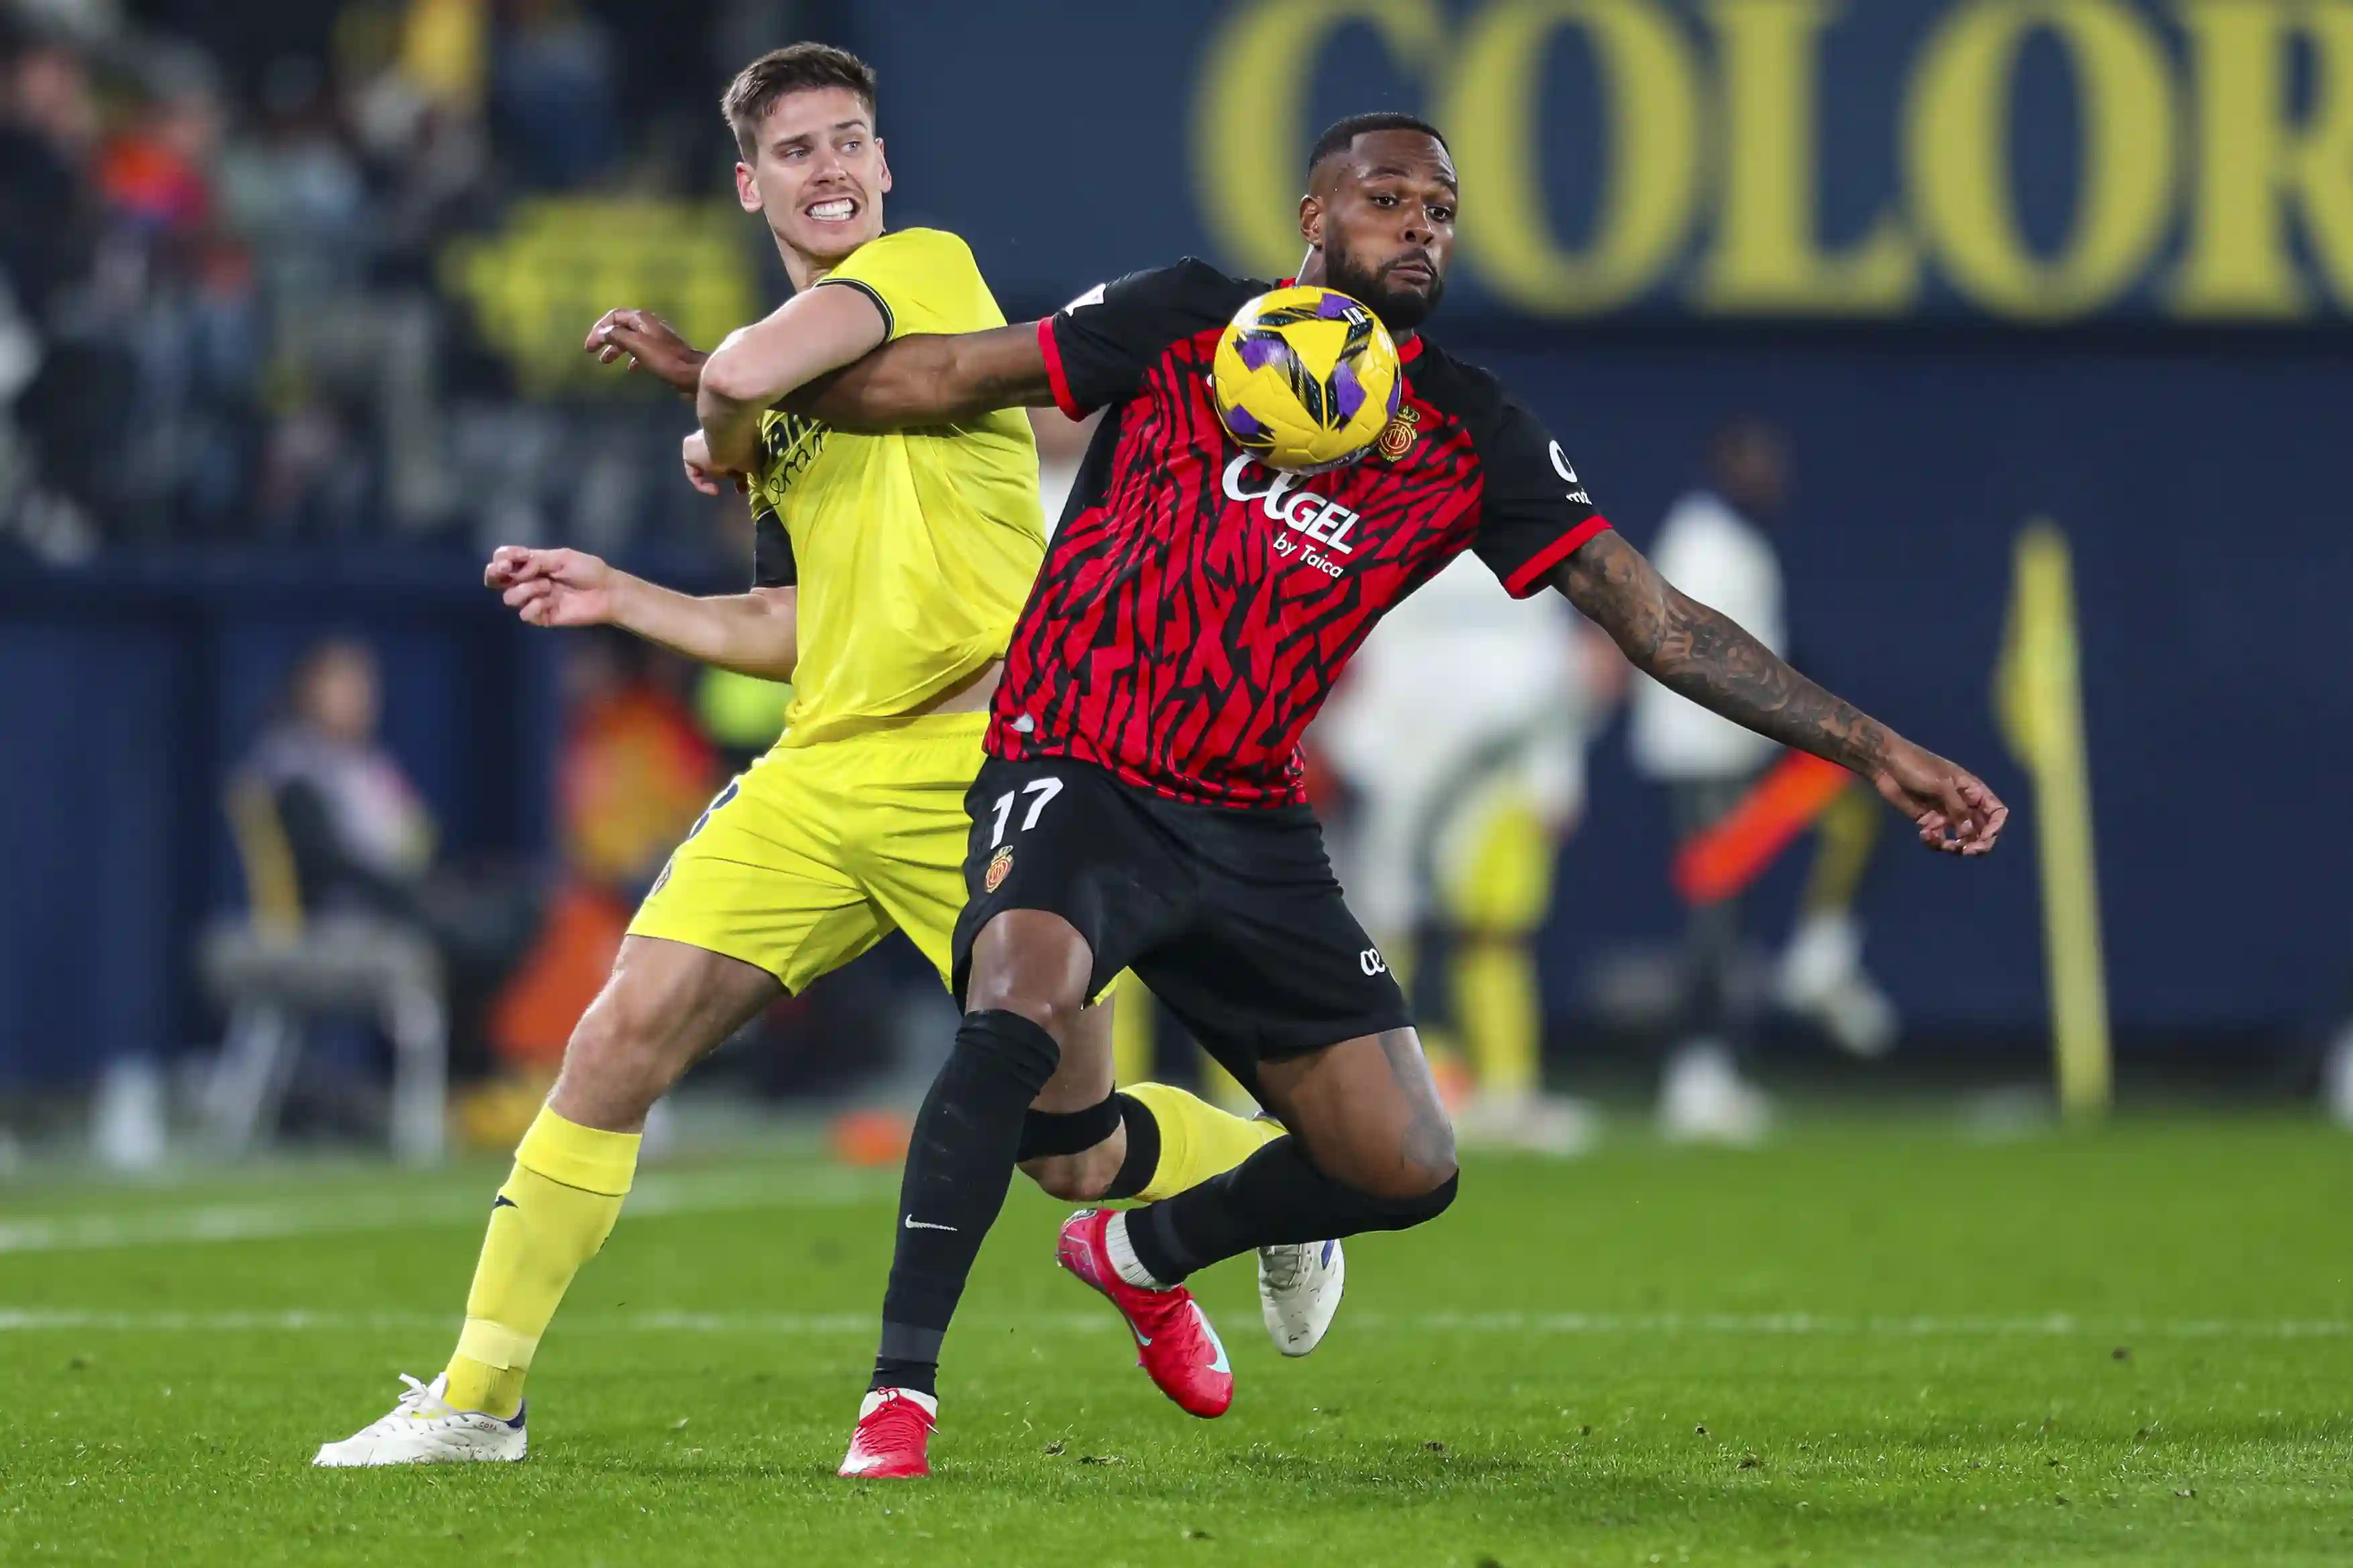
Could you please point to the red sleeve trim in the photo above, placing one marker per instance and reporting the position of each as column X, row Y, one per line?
column 1055, row 378
column 1525, row 582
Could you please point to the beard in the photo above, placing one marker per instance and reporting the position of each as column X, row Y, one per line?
column 1401, row 310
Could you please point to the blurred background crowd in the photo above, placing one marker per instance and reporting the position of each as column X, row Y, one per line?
column 280, row 272
column 292, row 295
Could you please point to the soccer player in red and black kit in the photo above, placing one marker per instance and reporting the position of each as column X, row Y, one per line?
column 1140, row 803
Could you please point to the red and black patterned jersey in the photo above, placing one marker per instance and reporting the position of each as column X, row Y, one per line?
column 1196, row 608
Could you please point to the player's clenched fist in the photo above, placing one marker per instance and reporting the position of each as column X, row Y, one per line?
column 701, row 472
column 553, row 587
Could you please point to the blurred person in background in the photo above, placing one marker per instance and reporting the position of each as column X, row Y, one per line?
column 140, row 292
column 191, row 315
column 1461, row 732
column 55, row 380
column 363, row 845
column 49, row 133
column 361, row 835
column 1716, row 546
column 1713, row 546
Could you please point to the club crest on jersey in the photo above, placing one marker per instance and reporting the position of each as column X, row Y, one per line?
column 1397, row 437
column 1000, row 866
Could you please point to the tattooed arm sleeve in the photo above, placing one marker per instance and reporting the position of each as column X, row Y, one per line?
column 1706, row 657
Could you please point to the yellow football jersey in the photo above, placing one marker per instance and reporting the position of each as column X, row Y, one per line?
column 914, row 551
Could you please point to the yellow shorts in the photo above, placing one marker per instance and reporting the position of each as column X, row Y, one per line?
column 816, row 853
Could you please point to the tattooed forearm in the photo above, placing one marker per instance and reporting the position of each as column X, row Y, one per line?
column 1706, row 657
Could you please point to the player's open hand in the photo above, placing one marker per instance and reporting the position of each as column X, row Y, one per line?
column 551, row 587
column 704, row 474
column 650, row 344
column 1950, row 806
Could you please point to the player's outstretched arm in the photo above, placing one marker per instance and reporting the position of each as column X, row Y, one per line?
column 756, row 633
column 1706, row 657
column 934, row 379
column 756, row 367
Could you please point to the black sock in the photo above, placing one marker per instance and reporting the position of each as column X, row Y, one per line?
column 920, row 1376
column 1275, row 1196
column 1143, row 1148
column 959, row 1165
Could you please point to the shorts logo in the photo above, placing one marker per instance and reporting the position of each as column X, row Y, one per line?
column 1399, row 437
column 1000, row 866
column 1371, row 961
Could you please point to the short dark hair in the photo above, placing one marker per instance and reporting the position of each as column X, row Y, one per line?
column 796, row 68
column 1341, row 134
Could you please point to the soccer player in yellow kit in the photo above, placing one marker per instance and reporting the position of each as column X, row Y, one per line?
column 889, row 572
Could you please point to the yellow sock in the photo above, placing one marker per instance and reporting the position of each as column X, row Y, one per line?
column 1198, row 1141
column 1496, row 1002
column 1497, row 899
column 558, row 1204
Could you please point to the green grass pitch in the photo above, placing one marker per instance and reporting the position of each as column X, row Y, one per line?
column 1871, row 1345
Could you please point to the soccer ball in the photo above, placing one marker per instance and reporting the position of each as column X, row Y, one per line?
column 1305, row 378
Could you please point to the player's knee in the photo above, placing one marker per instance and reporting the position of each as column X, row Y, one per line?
column 1414, row 1182
column 1033, row 964
column 618, row 1054
column 1049, row 1007
column 1418, row 1195
column 1000, row 1046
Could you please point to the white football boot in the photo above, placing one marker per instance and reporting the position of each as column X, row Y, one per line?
column 1821, row 977
column 1299, row 1288
column 1527, row 1123
column 424, row 1429
column 1703, row 1099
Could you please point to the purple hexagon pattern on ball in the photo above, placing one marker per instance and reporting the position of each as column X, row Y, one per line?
column 1244, row 424
column 1333, row 306
column 1259, row 350
column 1396, row 394
column 1348, row 392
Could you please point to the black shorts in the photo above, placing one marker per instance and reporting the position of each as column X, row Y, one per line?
column 1230, row 915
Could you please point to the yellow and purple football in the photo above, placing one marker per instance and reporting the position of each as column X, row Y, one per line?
column 1306, row 378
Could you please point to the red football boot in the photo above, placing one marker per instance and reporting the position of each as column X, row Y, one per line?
column 894, row 1433
column 1174, row 1342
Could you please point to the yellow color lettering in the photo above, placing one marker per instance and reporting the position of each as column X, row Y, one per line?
column 1250, row 135
column 2253, row 166
column 1491, row 108
column 1956, row 154
column 1767, row 257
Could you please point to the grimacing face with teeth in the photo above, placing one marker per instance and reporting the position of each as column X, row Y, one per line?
column 818, row 177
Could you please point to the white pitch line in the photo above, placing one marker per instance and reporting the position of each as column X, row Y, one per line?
column 212, row 1223
column 788, row 1325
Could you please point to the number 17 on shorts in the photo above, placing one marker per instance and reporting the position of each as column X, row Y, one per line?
column 1032, row 799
